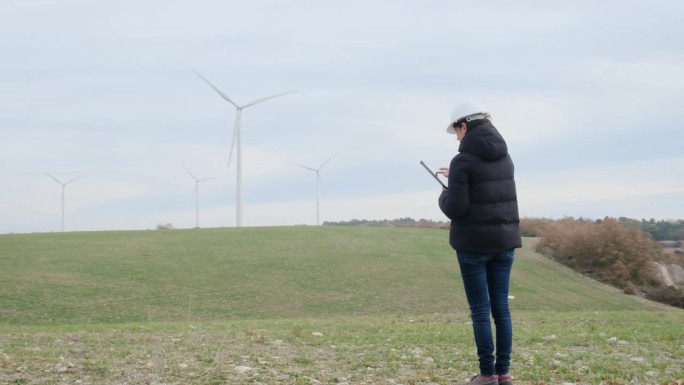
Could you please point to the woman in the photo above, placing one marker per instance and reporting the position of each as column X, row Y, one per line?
column 481, row 202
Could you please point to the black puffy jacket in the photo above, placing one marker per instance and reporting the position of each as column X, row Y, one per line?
column 481, row 200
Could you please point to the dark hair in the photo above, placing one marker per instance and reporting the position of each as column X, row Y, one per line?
column 472, row 124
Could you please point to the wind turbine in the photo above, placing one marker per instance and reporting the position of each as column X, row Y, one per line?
column 237, row 138
column 63, row 187
column 196, row 193
column 318, row 185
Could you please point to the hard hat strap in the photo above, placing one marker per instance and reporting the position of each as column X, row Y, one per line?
column 476, row 117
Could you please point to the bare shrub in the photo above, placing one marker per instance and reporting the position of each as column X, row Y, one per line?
column 630, row 289
column 612, row 252
column 533, row 227
column 669, row 295
column 606, row 250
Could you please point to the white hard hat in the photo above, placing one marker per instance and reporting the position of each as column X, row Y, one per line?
column 469, row 110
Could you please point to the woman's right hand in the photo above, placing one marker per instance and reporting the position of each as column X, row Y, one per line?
column 444, row 171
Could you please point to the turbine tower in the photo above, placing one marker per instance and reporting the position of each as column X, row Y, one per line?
column 196, row 193
column 61, row 205
column 237, row 138
column 318, row 185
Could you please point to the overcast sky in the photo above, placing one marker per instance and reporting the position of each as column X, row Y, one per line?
column 588, row 94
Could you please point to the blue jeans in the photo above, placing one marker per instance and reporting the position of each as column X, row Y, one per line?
column 486, row 278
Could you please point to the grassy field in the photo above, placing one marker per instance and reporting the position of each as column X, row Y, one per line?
column 225, row 306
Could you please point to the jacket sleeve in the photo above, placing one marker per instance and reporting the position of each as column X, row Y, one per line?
column 455, row 201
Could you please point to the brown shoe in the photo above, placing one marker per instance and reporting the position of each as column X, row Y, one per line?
column 506, row 379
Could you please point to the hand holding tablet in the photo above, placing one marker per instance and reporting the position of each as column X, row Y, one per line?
column 434, row 174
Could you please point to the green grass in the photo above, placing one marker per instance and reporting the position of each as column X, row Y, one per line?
column 192, row 306
column 217, row 274
column 617, row 347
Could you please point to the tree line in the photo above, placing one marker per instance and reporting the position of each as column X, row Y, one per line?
column 661, row 230
column 398, row 222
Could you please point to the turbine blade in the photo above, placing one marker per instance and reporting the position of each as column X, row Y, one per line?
column 73, row 180
column 56, row 180
column 326, row 162
column 261, row 100
column 193, row 176
column 308, row 168
column 221, row 94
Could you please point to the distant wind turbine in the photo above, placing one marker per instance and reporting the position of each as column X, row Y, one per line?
column 61, row 205
column 318, row 185
column 237, row 138
column 196, row 193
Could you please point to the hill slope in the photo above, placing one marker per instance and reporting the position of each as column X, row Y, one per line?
column 277, row 272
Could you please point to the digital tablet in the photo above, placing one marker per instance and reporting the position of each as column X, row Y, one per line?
column 434, row 174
